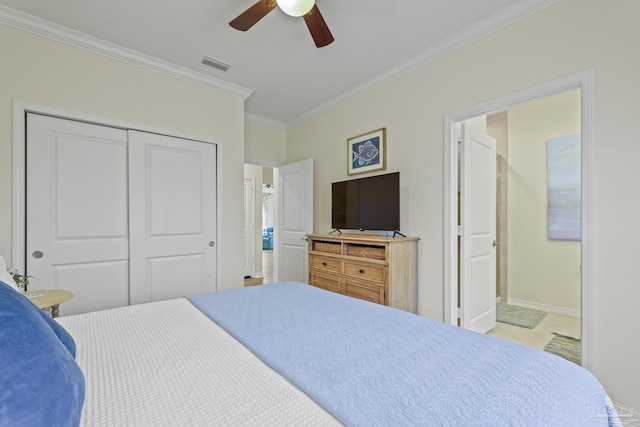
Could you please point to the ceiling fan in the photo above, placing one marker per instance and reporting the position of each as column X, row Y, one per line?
column 307, row 8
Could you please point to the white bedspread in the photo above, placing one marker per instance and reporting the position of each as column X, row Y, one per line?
column 167, row 364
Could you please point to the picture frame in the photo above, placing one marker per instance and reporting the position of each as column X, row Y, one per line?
column 367, row 152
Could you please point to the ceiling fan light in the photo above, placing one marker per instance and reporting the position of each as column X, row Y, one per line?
column 296, row 7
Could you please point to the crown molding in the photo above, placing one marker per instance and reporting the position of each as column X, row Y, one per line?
column 31, row 24
column 495, row 22
column 264, row 121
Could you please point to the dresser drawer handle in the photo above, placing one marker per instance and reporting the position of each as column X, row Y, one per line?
column 324, row 263
column 361, row 271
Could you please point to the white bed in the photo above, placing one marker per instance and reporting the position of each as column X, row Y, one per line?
column 167, row 364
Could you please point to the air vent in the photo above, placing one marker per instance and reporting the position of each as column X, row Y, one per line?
column 215, row 63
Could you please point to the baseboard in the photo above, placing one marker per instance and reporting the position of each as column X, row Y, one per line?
column 550, row 308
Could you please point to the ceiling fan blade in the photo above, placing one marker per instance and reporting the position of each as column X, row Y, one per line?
column 251, row 16
column 318, row 28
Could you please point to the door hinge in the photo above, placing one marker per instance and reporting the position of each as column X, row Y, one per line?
column 460, row 312
column 459, row 230
column 460, row 147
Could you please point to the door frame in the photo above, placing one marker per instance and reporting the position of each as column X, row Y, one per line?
column 252, row 210
column 19, row 166
column 582, row 80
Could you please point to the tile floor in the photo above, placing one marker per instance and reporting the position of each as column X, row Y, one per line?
column 539, row 336
column 267, row 266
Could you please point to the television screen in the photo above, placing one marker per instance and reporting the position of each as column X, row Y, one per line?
column 371, row 203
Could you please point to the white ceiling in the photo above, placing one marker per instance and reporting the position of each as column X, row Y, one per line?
column 375, row 41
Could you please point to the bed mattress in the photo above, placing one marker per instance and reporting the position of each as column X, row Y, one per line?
column 167, row 364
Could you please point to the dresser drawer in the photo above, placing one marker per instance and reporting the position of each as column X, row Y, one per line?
column 375, row 273
column 366, row 291
column 326, row 281
column 328, row 264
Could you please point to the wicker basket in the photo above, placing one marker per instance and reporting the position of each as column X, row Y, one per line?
column 333, row 248
column 372, row 252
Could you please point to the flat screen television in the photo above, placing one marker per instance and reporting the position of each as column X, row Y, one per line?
column 371, row 203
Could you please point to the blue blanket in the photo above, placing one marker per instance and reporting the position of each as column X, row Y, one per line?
column 373, row 365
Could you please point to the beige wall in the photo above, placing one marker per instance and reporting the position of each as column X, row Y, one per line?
column 264, row 144
column 44, row 72
column 540, row 271
column 569, row 37
column 267, row 175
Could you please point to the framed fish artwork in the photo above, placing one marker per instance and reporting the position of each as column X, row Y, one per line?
column 367, row 152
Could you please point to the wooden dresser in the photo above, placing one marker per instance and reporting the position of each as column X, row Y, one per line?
column 373, row 268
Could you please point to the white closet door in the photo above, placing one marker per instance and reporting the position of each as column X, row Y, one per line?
column 172, row 187
column 77, row 213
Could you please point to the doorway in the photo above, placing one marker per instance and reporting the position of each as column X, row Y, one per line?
column 584, row 83
column 537, row 211
column 259, row 211
column 292, row 213
column 268, row 221
column 249, row 225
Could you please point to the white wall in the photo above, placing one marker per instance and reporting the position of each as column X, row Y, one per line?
column 540, row 271
column 268, row 206
column 569, row 37
column 38, row 70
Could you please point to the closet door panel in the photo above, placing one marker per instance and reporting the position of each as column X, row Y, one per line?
column 77, row 212
column 174, row 276
column 172, row 184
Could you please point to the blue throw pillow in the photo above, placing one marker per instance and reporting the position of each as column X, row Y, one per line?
column 40, row 382
column 61, row 333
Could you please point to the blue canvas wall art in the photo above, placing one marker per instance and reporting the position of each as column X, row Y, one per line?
column 564, row 213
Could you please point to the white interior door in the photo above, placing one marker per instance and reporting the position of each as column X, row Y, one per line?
column 249, row 231
column 478, row 230
column 172, row 188
column 294, row 195
column 77, row 212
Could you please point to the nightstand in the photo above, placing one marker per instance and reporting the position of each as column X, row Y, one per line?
column 49, row 299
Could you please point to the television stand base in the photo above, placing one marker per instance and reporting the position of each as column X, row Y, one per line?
column 397, row 232
column 334, row 230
